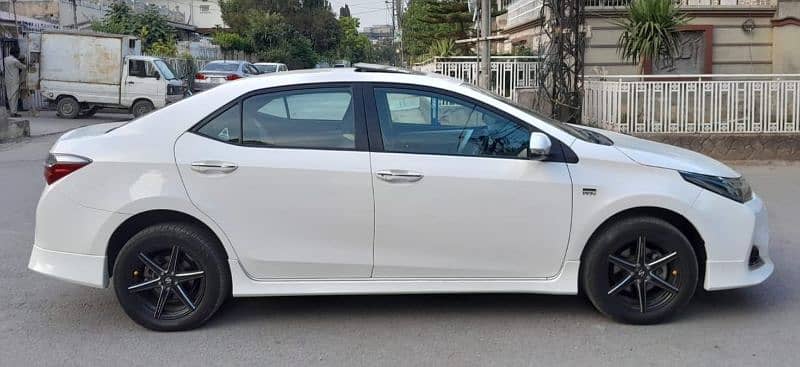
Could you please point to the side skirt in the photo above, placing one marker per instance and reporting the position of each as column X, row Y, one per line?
column 566, row 282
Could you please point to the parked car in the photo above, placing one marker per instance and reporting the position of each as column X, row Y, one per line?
column 373, row 180
column 221, row 71
column 270, row 67
column 84, row 72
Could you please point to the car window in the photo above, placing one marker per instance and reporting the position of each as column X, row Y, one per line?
column 141, row 69
column 266, row 68
column 221, row 66
column 250, row 69
column 312, row 118
column 225, row 126
column 429, row 123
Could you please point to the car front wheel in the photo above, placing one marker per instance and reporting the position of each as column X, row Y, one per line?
column 171, row 277
column 640, row 270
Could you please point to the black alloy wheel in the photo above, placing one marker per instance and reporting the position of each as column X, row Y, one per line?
column 640, row 270
column 171, row 276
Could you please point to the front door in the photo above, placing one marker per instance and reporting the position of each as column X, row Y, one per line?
column 456, row 196
column 292, row 188
column 142, row 81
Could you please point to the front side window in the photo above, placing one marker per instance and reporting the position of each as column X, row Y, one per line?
column 142, row 69
column 429, row 123
column 312, row 118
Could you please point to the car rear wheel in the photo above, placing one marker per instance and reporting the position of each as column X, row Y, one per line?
column 640, row 270
column 68, row 107
column 171, row 277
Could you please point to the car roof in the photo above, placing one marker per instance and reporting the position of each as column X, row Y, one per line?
column 346, row 75
column 269, row 63
column 227, row 62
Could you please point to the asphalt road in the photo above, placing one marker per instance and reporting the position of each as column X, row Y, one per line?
column 45, row 322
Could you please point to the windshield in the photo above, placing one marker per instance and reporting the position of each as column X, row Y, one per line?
column 165, row 70
column 221, row 66
column 267, row 68
column 577, row 132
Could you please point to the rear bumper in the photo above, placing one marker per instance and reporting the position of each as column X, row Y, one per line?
column 89, row 270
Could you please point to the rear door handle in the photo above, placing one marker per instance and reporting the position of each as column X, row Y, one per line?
column 398, row 175
column 213, row 167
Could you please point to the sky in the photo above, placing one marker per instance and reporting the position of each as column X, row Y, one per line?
column 369, row 12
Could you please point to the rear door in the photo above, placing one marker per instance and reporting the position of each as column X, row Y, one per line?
column 286, row 175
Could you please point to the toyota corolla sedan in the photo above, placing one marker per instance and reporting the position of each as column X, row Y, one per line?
column 373, row 180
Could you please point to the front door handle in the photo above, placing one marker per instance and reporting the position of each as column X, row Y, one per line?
column 213, row 167
column 131, row 82
column 398, row 175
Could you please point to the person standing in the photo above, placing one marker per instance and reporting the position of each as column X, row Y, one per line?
column 12, row 68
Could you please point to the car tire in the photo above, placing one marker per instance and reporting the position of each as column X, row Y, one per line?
column 68, row 107
column 141, row 108
column 639, row 289
column 171, row 277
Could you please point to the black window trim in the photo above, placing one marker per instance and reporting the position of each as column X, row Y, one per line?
column 360, row 125
column 560, row 152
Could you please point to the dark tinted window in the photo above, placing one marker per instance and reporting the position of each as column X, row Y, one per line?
column 141, row 69
column 221, row 66
column 312, row 118
column 421, row 122
column 224, row 127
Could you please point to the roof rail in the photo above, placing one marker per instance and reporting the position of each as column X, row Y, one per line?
column 375, row 68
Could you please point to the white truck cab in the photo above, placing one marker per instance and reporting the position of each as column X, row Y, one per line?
column 82, row 72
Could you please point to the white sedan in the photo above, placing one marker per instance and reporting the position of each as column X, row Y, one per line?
column 372, row 180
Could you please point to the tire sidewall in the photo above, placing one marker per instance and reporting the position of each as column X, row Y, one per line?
column 141, row 108
column 594, row 273
column 68, row 102
column 200, row 247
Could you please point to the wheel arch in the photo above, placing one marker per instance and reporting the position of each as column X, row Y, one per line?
column 140, row 99
column 676, row 219
column 140, row 221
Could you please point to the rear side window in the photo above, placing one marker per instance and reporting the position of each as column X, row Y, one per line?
column 313, row 118
column 225, row 126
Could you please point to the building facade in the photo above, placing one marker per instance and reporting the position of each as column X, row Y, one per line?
column 722, row 37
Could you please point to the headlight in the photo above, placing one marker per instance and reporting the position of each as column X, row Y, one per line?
column 732, row 188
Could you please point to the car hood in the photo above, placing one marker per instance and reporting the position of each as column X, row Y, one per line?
column 660, row 155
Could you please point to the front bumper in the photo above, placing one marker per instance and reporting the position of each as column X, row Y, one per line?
column 731, row 230
column 75, row 268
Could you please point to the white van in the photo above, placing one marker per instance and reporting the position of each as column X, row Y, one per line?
column 83, row 72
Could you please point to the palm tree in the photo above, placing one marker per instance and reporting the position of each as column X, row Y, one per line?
column 650, row 31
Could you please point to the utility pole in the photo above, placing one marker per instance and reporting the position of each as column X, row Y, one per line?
column 399, row 13
column 394, row 30
column 485, row 76
column 74, row 14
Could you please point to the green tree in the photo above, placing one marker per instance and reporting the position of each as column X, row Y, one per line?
column 423, row 24
column 650, row 31
column 354, row 47
column 149, row 26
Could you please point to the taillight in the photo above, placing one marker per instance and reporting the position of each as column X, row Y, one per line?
column 200, row 76
column 59, row 165
column 232, row 77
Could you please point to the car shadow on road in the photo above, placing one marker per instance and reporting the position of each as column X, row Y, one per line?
column 705, row 305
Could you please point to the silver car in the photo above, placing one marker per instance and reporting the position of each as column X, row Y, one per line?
column 221, row 71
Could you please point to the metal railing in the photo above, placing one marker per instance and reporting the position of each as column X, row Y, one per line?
column 709, row 103
column 690, row 3
column 509, row 73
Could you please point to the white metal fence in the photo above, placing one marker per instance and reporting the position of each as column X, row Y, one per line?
column 509, row 73
column 691, row 3
column 714, row 103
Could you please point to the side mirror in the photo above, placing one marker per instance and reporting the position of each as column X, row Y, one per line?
column 158, row 76
column 539, row 148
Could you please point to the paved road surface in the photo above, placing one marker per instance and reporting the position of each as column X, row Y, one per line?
column 51, row 323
